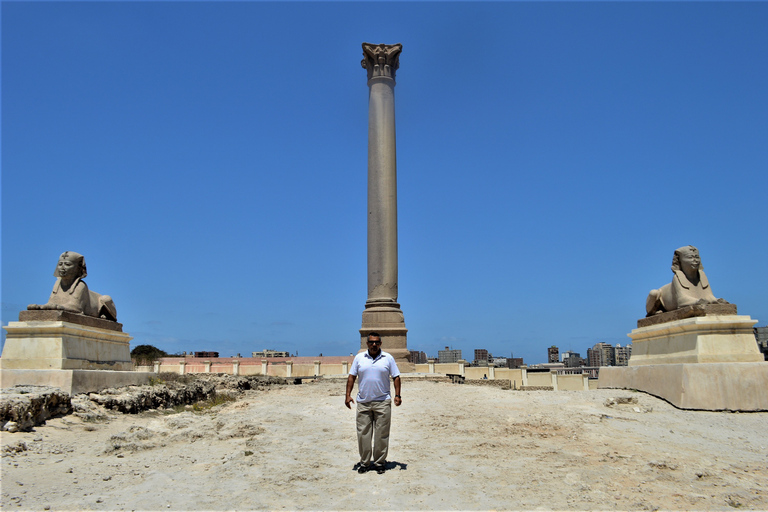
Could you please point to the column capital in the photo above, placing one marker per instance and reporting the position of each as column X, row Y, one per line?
column 381, row 60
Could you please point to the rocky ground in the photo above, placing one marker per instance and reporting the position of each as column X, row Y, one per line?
column 453, row 447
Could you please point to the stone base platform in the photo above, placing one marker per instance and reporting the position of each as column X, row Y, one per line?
column 702, row 386
column 73, row 381
column 57, row 340
column 698, row 339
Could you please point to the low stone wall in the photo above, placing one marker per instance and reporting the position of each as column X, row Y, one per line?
column 518, row 378
column 275, row 367
column 23, row 407
column 503, row 384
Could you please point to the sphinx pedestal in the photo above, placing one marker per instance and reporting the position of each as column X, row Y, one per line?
column 707, row 362
column 73, row 352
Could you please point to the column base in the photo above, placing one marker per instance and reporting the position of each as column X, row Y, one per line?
column 386, row 318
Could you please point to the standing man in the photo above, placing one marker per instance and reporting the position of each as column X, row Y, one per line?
column 374, row 404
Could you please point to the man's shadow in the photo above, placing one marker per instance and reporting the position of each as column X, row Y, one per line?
column 391, row 464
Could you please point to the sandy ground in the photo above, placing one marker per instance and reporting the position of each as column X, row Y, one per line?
column 453, row 447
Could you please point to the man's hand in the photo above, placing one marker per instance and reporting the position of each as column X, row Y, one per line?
column 398, row 400
column 350, row 386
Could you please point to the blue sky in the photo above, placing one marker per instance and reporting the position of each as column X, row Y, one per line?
column 209, row 160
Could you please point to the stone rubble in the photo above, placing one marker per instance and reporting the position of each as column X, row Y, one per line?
column 23, row 407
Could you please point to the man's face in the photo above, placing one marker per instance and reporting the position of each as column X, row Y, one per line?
column 374, row 345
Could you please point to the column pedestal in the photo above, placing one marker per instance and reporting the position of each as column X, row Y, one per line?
column 387, row 320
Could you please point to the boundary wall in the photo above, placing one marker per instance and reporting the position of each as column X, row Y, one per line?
column 519, row 378
column 271, row 366
column 287, row 367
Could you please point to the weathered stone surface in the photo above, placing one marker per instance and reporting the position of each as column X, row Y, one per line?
column 53, row 315
column 689, row 312
column 135, row 399
column 701, row 339
column 23, row 407
column 703, row 386
column 59, row 345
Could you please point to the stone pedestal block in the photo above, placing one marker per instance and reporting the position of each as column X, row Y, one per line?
column 703, row 386
column 74, row 381
column 704, row 339
column 62, row 345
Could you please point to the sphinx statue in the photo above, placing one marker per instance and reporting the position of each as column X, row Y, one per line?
column 689, row 285
column 70, row 293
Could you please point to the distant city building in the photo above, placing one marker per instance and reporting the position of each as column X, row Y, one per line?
column 553, row 354
column 761, row 335
column 499, row 362
column 514, row 362
column 270, row 353
column 206, row 354
column 604, row 354
column 418, row 357
column 481, row 357
column 448, row 356
column 622, row 354
column 573, row 359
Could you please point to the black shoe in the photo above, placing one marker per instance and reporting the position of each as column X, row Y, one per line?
column 379, row 469
column 362, row 469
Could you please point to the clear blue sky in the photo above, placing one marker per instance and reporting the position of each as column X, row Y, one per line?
column 209, row 160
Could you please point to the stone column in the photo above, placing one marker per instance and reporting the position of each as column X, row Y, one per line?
column 345, row 367
column 431, row 363
column 382, row 312
column 182, row 364
column 263, row 366
column 317, row 368
column 207, row 366
column 235, row 367
column 289, row 368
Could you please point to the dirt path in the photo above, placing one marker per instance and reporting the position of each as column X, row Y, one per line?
column 453, row 447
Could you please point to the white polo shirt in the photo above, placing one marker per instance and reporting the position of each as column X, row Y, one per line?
column 373, row 375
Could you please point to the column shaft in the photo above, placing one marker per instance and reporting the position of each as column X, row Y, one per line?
column 382, row 192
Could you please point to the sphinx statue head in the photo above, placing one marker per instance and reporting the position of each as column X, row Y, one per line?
column 689, row 285
column 71, row 265
column 70, row 293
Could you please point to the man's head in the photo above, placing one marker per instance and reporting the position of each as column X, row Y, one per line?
column 374, row 344
column 71, row 265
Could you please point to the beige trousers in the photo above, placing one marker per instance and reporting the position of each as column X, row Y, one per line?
column 373, row 420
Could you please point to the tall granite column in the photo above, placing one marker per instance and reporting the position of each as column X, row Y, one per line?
column 382, row 312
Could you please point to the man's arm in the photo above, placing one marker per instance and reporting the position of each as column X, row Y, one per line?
column 350, row 387
column 398, row 400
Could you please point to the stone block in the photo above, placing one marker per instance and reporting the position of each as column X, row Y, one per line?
column 700, row 339
column 64, row 345
column 688, row 312
column 73, row 381
column 702, row 386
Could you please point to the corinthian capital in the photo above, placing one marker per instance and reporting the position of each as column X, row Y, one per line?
column 381, row 59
